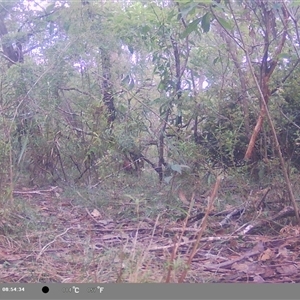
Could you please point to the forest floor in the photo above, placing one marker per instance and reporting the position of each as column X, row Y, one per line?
column 127, row 230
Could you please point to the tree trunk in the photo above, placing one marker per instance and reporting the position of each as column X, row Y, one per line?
column 108, row 98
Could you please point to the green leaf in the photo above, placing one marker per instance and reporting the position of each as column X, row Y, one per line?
column 191, row 27
column 156, row 100
column 167, row 179
column 145, row 29
column 171, row 15
column 126, row 80
column 276, row 6
column 51, row 28
column 130, row 48
column 50, row 8
column 205, row 22
column 216, row 60
column 163, row 108
column 176, row 168
column 187, row 9
column 284, row 55
column 161, row 86
column 226, row 24
column 66, row 26
column 131, row 85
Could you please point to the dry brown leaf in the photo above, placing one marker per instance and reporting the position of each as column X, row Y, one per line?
column 105, row 222
column 240, row 267
column 269, row 272
column 282, row 252
column 258, row 279
column 182, row 197
column 287, row 270
column 95, row 213
column 266, row 255
column 233, row 243
column 185, row 239
column 290, row 230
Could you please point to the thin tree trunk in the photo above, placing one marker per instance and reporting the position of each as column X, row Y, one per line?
column 107, row 87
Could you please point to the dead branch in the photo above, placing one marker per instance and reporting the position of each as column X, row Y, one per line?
column 288, row 211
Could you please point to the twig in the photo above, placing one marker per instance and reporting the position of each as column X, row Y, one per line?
column 231, row 262
column 47, row 245
column 176, row 244
column 38, row 192
column 202, row 227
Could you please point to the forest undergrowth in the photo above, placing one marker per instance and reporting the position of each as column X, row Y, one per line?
column 130, row 229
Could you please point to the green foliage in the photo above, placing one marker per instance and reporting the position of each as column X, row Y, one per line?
column 193, row 26
column 225, row 23
column 205, row 22
column 52, row 103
